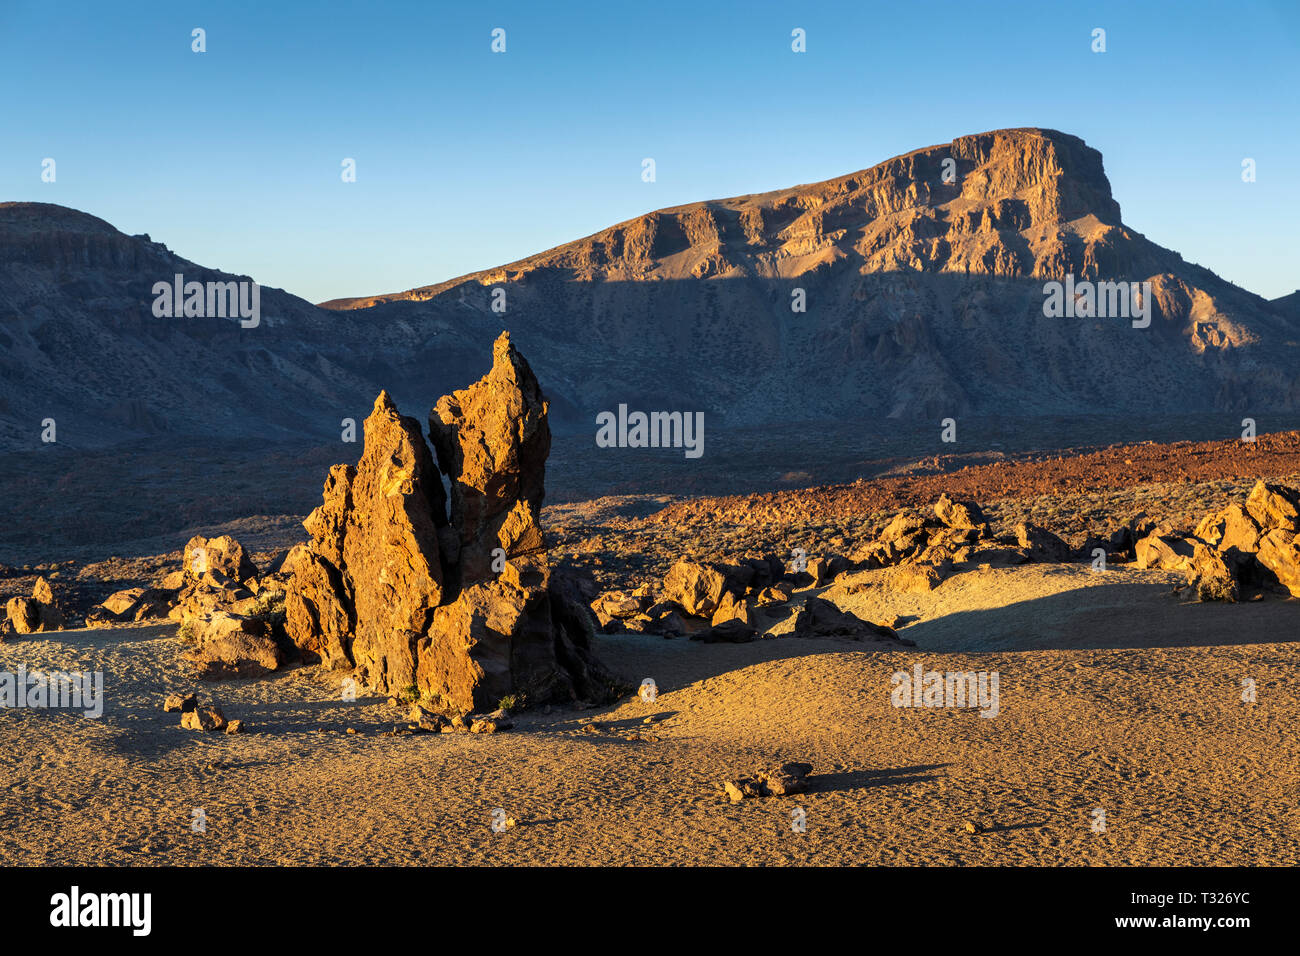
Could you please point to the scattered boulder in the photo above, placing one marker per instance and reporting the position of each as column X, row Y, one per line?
column 1211, row 575
column 696, row 586
column 492, row 723
column 179, row 703
column 23, row 615
column 615, row 606
column 824, row 570
column 1000, row 555
column 204, row 717
column 1164, row 550
column 40, row 612
column 964, row 515
column 776, row 594
column 1279, row 555
column 120, row 602
column 733, row 608
column 1274, row 507
column 134, row 604
column 1041, row 544
column 232, row 645
column 917, row 578
column 728, row 632
column 821, row 618
column 785, row 780
column 223, row 554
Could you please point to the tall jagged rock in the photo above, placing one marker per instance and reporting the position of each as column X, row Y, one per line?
column 390, row 546
column 414, row 596
column 492, row 441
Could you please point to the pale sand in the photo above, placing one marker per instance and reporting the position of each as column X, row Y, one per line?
column 1152, row 729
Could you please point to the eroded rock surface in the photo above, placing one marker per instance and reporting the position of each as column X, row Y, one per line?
column 459, row 604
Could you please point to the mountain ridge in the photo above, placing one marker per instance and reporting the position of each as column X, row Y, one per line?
column 920, row 169
column 924, row 299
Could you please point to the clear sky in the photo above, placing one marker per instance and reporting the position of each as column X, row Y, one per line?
column 468, row 159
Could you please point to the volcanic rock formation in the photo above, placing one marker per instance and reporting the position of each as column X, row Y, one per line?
column 462, row 607
column 40, row 612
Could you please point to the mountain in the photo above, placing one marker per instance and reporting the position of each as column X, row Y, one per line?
column 80, row 344
column 924, row 299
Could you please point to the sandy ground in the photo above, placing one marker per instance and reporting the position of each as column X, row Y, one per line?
column 1112, row 694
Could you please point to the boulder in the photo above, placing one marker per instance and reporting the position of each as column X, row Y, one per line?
column 1163, row 550
column 172, row 580
column 1279, row 555
column 1000, row 555
column 1230, row 530
column 23, row 615
column 733, row 608
column 821, row 618
column 40, row 612
column 903, row 525
column 154, row 604
column 204, row 717
column 917, row 578
column 232, row 645
column 728, row 632
column 775, row 594
column 223, row 554
column 788, row 778
column 1041, row 544
column 1274, row 507
column 120, row 602
column 615, row 604
column 965, row 515
column 179, row 703
column 696, row 586
column 1211, row 575
column 136, row 604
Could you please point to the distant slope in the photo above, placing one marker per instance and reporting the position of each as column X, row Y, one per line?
column 79, row 344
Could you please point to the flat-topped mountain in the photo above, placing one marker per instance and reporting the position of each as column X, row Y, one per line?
column 921, row 282
column 1019, row 202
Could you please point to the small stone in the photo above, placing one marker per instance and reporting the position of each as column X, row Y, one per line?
column 744, row 787
column 235, row 727
column 203, row 718
column 177, row 703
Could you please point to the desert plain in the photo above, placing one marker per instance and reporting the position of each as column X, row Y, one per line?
column 1118, row 690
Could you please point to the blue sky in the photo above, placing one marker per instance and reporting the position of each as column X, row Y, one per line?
column 468, row 159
